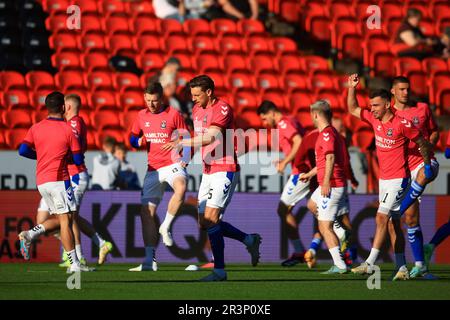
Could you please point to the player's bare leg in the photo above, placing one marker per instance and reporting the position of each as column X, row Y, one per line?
column 285, row 213
column 175, row 202
column 151, row 237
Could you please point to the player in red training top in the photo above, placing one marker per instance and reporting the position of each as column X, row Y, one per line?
column 79, row 179
column 329, row 197
column 158, row 124
column 392, row 136
column 51, row 142
column 422, row 118
column 290, row 134
column 213, row 120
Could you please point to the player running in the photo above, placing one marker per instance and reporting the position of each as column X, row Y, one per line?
column 422, row 118
column 212, row 117
column 290, row 134
column 330, row 196
column 51, row 141
column 392, row 135
column 79, row 179
column 157, row 124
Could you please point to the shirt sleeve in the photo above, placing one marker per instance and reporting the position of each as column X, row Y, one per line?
column 366, row 116
column 29, row 139
column 409, row 131
column 287, row 129
column 222, row 116
column 327, row 142
column 136, row 128
column 74, row 144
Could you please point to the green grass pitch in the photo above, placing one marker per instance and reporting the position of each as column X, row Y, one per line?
column 172, row 282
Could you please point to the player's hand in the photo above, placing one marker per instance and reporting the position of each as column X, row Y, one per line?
column 428, row 171
column 183, row 164
column 140, row 141
column 281, row 166
column 305, row 177
column 171, row 145
column 355, row 185
column 353, row 80
column 325, row 190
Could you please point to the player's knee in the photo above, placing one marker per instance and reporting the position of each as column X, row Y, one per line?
column 282, row 210
column 312, row 207
column 381, row 219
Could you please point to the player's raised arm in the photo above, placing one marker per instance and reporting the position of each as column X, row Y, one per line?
column 425, row 149
column 352, row 102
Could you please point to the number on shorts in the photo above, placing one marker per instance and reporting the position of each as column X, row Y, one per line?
column 210, row 194
column 385, row 197
column 174, row 170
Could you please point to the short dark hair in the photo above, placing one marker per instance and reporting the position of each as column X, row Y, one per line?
column 55, row 102
column 109, row 141
column 413, row 12
column 400, row 79
column 121, row 146
column 154, row 88
column 383, row 93
column 202, row 81
column 265, row 107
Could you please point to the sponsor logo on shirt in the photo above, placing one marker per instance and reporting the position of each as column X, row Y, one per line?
column 379, row 128
column 163, row 124
column 326, row 136
column 390, row 132
column 282, row 124
column 205, row 120
column 224, row 110
column 415, row 120
column 406, row 123
column 147, row 124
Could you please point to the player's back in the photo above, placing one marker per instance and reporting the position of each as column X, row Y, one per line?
column 52, row 140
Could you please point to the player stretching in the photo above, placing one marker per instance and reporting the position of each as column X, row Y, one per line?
column 330, row 195
column 422, row 118
column 392, row 135
column 50, row 142
column 157, row 124
column 290, row 137
column 79, row 179
column 212, row 117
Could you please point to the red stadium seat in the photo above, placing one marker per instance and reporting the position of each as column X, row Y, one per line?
column 312, row 64
column 268, row 82
column 427, row 27
column 295, row 82
column 91, row 140
column 283, row 45
column 17, row 118
column 290, row 10
column 317, row 22
column 116, row 25
column 332, row 97
column 255, row 45
column 419, row 83
column 126, row 81
column 248, row 119
column 148, row 43
column 3, row 142
column 250, row 27
column 300, row 101
column 263, row 63
column 364, row 139
column 65, row 61
column 340, row 82
column 103, row 100
column 245, row 100
column 39, row 80
column 69, row 80
column 208, row 63
column 341, row 10
column 88, row 7
column 95, row 62
column 121, row 45
column 127, row 119
column 38, row 116
column 234, row 62
column 63, row 42
column 202, row 44
column 145, row 25
column 175, row 44
column 320, row 82
column 91, row 24
column 86, row 115
column 170, row 27
column 17, row 98
column 138, row 9
column 304, row 117
column 15, row 137
column 117, row 134
column 195, row 27
column 434, row 64
column 105, row 119
column 290, row 64
column 98, row 80
column 57, row 24
column 277, row 98
column 187, row 61
column 131, row 100
column 346, row 38
column 419, row 5
column 223, row 27
column 55, row 6
column 220, row 82
column 440, row 90
column 377, row 56
column 439, row 10
column 404, row 65
column 241, row 81
column 112, row 8
column 92, row 43
column 229, row 44
column 391, row 10
column 37, row 98
column 12, row 80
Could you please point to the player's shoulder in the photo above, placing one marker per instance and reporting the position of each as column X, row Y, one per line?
column 401, row 122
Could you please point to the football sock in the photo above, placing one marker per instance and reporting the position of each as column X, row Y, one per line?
column 441, row 234
column 339, row 231
column 36, row 231
column 78, row 251
column 149, row 254
column 168, row 220
column 215, row 236
column 413, row 193
column 415, row 238
column 373, row 256
column 98, row 240
column 315, row 245
column 72, row 256
column 298, row 246
column 337, row 258
column 232, row 232
column 400, row 260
